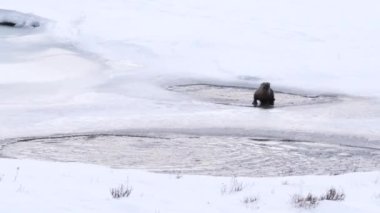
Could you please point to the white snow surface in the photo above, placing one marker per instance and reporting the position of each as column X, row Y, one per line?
column 32, row 186
column 105, row 65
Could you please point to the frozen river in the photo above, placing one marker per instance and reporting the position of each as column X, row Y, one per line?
column 182, row 104
column 198, row 154
column 226, row 152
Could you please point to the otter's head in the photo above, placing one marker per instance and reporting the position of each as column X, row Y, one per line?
column 265, row 85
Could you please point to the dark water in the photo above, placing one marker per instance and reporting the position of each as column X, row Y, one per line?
column 199, row 154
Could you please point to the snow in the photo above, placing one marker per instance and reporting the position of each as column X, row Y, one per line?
column 94, row 66
column 121, row 56
column 73, row 187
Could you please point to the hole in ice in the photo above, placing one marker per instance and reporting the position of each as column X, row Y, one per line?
column 204, row 155
column 242, row 96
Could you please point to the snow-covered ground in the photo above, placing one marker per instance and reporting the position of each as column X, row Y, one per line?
column 31, row 186
column 93, row 67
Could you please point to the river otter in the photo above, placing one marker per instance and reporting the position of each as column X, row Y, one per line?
column 264, row 94
column 7, row 23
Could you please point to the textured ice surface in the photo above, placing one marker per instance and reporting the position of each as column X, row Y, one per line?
column 197, row 154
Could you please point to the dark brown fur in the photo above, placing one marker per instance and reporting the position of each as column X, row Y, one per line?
column 264, row 94
column 7, row 24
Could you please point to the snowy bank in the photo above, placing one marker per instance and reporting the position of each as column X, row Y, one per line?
column 33, row 186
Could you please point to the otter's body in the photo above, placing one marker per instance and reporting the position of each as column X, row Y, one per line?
column 264, row 94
